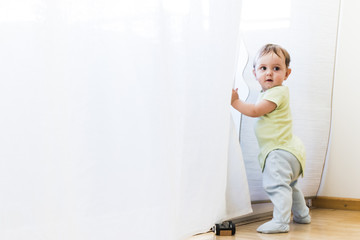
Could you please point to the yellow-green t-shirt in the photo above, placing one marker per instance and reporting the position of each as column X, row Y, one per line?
column 274, row 130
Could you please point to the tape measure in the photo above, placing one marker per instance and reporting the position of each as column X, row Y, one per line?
column 225, row 229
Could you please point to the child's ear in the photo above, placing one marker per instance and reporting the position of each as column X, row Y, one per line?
column 254, row 72
column 288, row 71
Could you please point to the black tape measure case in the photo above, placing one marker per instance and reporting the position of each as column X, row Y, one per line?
column 225, row 229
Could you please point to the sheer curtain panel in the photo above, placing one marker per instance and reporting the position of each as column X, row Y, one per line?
column 308, row 30
column 115, row 119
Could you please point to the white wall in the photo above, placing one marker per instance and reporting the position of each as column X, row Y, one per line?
column 341, row 175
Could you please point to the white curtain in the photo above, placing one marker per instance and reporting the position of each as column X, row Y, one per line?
column 115, row 119
column 308, row 30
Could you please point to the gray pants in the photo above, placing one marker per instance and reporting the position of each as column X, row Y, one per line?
column 282, row 170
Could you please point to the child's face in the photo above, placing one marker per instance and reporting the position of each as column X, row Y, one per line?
column 270, row 70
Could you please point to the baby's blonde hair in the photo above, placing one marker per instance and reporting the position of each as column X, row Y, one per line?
column 272, row 48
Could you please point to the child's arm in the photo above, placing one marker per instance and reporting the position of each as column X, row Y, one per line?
column 252, row 110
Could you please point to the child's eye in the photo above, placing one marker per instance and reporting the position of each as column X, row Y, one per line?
column 263, row 68
column 276, row 68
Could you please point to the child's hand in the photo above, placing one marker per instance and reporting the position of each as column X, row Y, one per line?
column 234, row 96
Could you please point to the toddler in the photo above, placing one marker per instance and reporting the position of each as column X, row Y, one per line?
column 282, row 155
